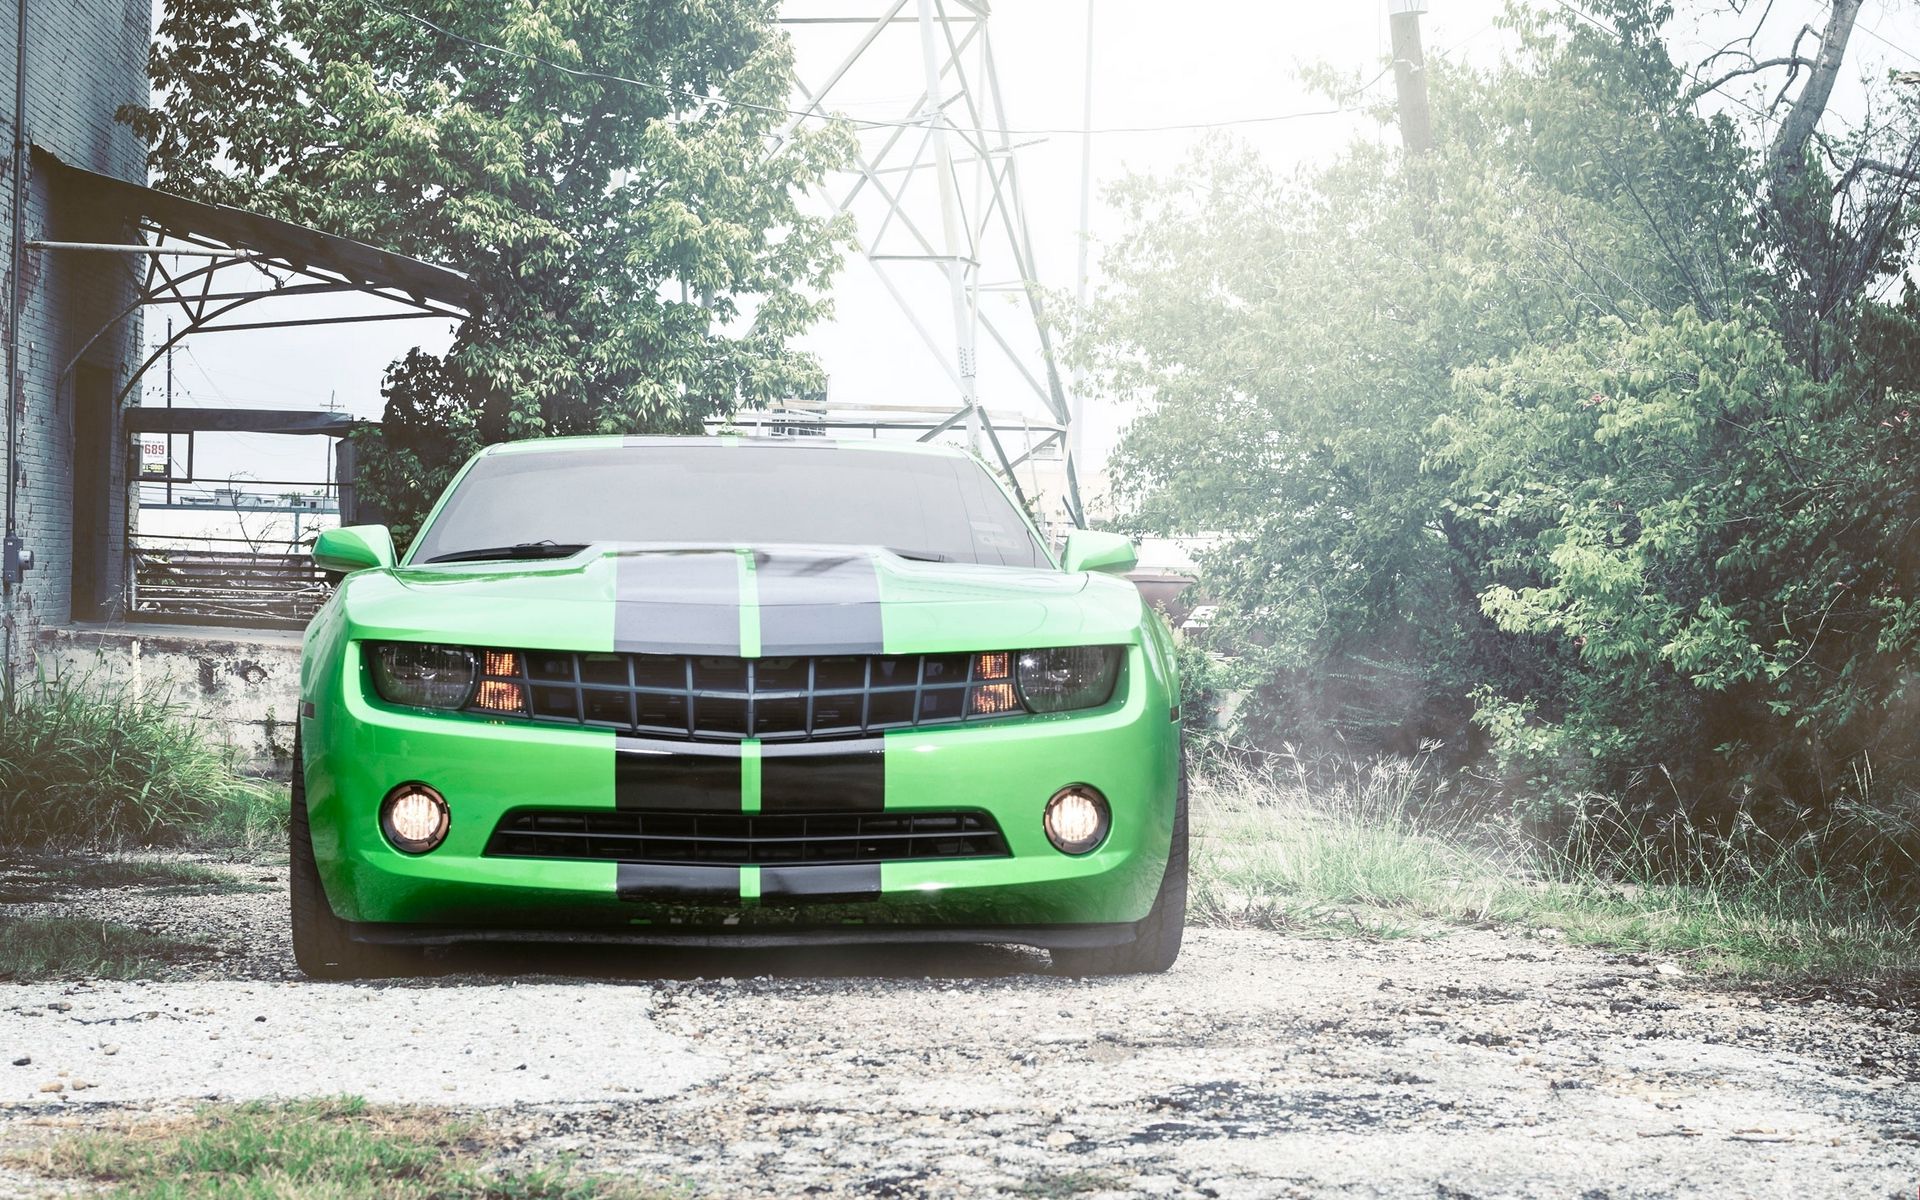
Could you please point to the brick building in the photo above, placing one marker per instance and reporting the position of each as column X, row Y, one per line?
column 84, row 59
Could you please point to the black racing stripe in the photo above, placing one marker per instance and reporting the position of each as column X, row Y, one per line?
column 819, row 884
column 677, row 602
column 678, row 881
column 823, row 776
column 676, row 775
column 827, row 603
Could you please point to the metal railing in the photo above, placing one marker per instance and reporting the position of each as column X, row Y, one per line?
column 222, row 580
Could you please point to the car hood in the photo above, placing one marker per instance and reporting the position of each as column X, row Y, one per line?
column 767, row 601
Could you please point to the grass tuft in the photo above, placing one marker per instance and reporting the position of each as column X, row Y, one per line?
column 34, row 948
column 1378, row 848
column 324, row 1149
column 113, row 766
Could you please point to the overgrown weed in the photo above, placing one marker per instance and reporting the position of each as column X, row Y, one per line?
column 112, row 766
column 1383, row 846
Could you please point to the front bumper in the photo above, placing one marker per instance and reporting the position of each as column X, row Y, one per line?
column 356, row 751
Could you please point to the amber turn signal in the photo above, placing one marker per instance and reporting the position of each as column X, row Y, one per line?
column 499, row 662
column 992, row 699
column 497, row 695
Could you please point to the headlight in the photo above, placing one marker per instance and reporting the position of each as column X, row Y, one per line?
column 422, row 676
column 1067, row 677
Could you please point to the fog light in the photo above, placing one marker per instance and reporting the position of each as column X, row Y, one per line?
column 414, row 818
column 1077, row 819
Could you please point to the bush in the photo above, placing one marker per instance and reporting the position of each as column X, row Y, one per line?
column 109, row 767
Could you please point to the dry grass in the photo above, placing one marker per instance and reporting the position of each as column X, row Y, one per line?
column 1378, row 848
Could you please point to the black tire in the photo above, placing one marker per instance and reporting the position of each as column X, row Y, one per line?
column 321, row 946
column 1156, row 937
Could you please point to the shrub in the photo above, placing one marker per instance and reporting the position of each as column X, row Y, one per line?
column 80, row 764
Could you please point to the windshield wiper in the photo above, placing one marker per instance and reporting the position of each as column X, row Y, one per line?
column 919, row 555
column 541, row 549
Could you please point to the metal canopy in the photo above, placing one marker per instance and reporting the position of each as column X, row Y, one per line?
column 298, row 247
column 280, row 260
column 318, row 421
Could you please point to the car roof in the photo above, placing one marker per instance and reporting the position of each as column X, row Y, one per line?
column 724, row 441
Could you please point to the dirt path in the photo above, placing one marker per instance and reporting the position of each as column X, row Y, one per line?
column 1478, row 1064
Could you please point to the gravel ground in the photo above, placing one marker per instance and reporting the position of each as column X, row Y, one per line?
column 1478, row 1064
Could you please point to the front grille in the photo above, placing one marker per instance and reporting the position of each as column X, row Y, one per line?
column 701, row 698
column 746, row 839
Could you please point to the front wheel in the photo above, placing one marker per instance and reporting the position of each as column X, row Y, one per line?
column 321, row 946
column 1156, row 939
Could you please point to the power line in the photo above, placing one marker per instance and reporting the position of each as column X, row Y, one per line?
column 1877, row 36
column 860, row 123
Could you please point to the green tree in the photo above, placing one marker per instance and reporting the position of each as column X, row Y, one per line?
column 1587, row 439
column 609, row 174
column 1291, row 341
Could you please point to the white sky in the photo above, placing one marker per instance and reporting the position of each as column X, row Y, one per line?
column 1155, row 64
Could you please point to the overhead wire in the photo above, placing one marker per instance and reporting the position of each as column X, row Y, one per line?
column 1876, row 35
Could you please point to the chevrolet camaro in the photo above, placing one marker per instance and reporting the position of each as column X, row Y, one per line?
column 731, row 690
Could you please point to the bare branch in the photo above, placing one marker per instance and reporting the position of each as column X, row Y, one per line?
column 1908, row 173
column 1754, row 67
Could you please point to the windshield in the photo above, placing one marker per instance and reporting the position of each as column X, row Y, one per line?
column 712, row 493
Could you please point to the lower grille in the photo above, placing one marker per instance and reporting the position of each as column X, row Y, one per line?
column 746, row 839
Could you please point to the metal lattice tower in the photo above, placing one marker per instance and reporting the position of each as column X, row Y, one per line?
column 934, row 197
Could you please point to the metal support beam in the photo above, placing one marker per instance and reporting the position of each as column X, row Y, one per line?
column 138, row 248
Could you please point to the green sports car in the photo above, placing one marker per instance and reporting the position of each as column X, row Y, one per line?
column 746, row 691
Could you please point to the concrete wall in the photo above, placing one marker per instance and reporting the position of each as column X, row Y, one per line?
column 241, row 687
column 85, row 58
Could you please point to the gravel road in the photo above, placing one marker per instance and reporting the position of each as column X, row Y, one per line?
column 1478, row 1064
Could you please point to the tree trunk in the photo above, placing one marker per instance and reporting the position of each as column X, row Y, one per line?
column 1789, row 151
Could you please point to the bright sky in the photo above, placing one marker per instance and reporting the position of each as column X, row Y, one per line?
column 1217, row 60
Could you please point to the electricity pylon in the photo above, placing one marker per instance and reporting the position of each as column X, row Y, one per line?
column 934, row 196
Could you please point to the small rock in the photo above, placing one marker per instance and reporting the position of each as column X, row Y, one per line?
column 79, row 1085
column 260, row 1020
column 1667, row 968
column 110, row 1048
column 60, row 1006
column 53, row 1086
column 23, row 1060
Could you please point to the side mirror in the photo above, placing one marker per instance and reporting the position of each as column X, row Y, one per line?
column 353, row 548
column 1093, row 550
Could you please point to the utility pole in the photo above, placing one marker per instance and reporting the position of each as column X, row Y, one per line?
column 1410, row 75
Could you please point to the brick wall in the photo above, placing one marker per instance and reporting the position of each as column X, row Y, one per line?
column 85, row 58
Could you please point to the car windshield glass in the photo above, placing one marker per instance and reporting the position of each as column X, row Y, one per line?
column 925, row 506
